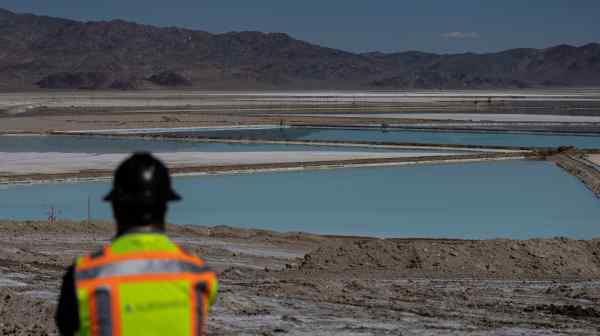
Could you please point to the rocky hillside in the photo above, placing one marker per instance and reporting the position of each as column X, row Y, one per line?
column 56, row 53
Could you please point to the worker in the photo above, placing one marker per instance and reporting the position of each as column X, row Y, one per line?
column 141, row 283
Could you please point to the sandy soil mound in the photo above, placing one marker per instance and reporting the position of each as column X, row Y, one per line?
column 494, row 259
column 299, row 284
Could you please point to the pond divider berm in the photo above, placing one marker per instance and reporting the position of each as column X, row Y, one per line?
column 576, row 164
column 480, row 127
column 340, row 143
column 87, row 175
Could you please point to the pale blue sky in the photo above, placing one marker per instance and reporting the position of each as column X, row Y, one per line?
column 442, row 26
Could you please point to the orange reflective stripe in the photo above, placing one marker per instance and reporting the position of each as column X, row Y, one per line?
column 92, row 308
column 208, row 277
column 193, row 318
column 199, row 311
column 104, row 313
column 94, row 256
column 204, row 311
column 116, row 311
column 91, row 263
column 182, row 250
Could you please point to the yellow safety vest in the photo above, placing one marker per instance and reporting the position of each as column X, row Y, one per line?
column 143, row 284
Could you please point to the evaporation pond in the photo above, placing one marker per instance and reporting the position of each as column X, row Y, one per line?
column 416, row 137
column 517, row 199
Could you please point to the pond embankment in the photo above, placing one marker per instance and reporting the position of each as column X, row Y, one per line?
column 71, row 174
column 577, row 165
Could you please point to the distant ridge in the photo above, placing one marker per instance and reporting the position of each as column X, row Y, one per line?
column 40, row 51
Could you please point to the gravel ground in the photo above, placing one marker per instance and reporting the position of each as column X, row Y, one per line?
column 301, row 284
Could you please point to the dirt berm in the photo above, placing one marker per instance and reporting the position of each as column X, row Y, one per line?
column 303, row 284
column 536, row 259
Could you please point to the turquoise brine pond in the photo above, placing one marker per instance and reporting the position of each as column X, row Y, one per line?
column 517, row 199
column 417, row 137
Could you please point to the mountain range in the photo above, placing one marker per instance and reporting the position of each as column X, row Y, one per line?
column 54, row 53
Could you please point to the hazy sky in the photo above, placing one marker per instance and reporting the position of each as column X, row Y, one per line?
column 445, row 26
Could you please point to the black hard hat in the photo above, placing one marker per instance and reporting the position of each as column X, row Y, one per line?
column 142, row 179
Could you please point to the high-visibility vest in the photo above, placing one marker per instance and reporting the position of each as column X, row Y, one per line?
column 143, row 284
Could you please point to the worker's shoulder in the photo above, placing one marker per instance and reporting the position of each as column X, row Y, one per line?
column 84, row 259
column 187, row 253
column 91, row 255
column 194, row 258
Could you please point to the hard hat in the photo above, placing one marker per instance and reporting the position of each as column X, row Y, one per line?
column 142, row 179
